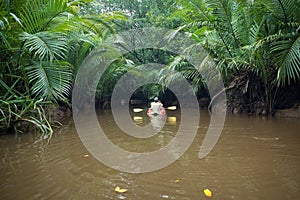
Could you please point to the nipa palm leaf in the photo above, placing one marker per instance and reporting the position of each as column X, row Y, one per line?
column 50, row 81
column 36, row 15
column 46, row 45
column 287, row 58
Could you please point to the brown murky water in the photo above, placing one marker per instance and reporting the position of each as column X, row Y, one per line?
column 255, row 158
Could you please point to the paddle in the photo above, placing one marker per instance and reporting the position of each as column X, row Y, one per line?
column 136, row 110
column 172, row 108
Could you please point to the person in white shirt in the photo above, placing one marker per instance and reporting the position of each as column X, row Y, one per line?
column 156, row 107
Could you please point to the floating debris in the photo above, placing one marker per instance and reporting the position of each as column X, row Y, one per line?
column 118, row 189
column 207, row 192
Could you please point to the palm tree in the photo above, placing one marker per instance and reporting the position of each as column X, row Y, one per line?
column 255, row 45
column 44, row 43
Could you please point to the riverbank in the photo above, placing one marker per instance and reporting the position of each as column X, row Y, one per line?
column 293, row 112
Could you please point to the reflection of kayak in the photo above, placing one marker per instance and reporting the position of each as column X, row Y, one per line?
column 151, row 113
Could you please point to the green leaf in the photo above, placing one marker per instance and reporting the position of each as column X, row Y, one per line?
column 287, row 58
column 46, row 45
column 50, row 81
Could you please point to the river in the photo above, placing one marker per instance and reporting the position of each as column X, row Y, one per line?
column 255, row 158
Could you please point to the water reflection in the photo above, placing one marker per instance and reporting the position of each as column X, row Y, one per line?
column 172, row 120
column 157, row 121
column 139, row 120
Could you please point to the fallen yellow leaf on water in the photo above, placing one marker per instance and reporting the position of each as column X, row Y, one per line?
column 86, row 155
column 207, row 192
column 118, row 189
column 177, row 181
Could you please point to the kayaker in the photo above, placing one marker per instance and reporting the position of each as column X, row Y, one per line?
column 156, row 106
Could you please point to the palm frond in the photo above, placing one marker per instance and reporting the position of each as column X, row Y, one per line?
column 46, row 45
column 80, row 45
column 50, row 81
column 280, row 10
column 223, row 10
column 287, row 59
column 240, row 23
column 167, row 73
column 36, row 15
column 288, row 9
column 255, row 31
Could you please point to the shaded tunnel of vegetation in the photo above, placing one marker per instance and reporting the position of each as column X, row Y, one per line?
column 254, row 45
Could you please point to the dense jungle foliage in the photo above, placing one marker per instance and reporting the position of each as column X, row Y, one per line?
column 254, row 44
